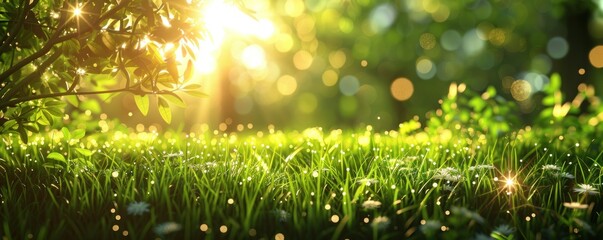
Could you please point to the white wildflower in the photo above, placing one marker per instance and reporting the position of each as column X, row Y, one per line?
column 371, row 204
column 586, row 189
column 550, row 167
column 173, row 155
column 367, row 181
column 448, row 174
column 138, row 208
column 564, row 175
column 481, row 167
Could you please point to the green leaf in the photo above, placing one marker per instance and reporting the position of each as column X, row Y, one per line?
column 78, row 134
column 84, row 152
column 54, row 103
column 554, row 85
column 66, row 133
column 164, row 110
column 73, row 100
column 142, row 102
column 193, row 86
column 56, row 156
column 55, row 111
column 173, row 98
column 23, row 134
column 42, row 119
column 172, row 68
column 188, row 73
column 108, row 40
column 196, row 93
column 48, row 116
column 9, row 124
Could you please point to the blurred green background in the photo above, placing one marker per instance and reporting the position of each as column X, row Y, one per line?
column 347, row 63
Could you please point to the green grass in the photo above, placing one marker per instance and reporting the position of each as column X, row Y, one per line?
column 300, row 185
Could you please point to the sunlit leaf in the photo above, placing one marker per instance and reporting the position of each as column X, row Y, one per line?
column 84, row 152
column 172, row 68
column 56, row 156
column 196, row 93
column 193, row 86
column 142, row 102
column 188, row 73
column 78, row 133
column 173, row 98
column 164, row 110
column 66, row 133
column 48, row 116
column 42, row 119
column 9, row 124
column 107, row 40
column 73, row 100
column 55, row 112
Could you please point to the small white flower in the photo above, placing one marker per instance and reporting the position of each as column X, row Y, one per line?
column 448, row 174
column 173, row 155
column 167, row 228
column 481, row 167
column 564, row 175
column 367, row 181
column 550, row 167
column 137, row 208
column 586, row 189
column 380, row 223
column 371, row 204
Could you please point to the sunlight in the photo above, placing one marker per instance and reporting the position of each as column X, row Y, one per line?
column 223, row 22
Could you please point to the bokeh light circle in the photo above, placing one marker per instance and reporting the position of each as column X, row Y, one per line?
column 348, row 85
column 557, row 47
column 596, row 56
column 286, row 85
column 521, row 90
column 402, row 89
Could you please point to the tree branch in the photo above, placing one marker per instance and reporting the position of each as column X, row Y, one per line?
column 12, row 34
column 62, row 94
column 13, row 87
column 56, row 39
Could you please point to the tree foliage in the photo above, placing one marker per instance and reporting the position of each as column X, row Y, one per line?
column 55, row 51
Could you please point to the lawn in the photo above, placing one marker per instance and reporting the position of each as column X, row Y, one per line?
column 315, row 183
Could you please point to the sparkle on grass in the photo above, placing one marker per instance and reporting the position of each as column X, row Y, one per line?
column 77, row 11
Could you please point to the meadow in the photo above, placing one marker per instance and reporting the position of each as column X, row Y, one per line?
column 315, row 183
